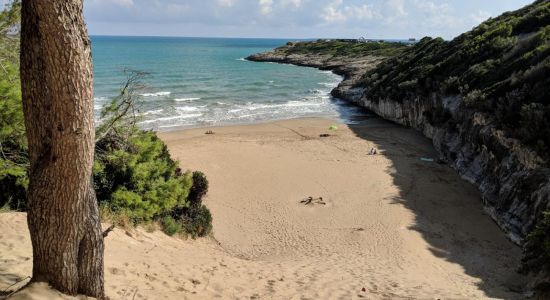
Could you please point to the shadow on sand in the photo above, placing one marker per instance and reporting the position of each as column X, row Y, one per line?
column 448, row 211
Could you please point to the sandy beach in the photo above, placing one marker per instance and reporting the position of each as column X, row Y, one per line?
column 389, row 226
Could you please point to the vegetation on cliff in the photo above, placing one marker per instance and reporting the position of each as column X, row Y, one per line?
column 346, row 48
column 135, row 178
column 501, row 67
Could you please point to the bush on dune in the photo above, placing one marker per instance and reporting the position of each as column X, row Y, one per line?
column 195, row 217
column 134, row 174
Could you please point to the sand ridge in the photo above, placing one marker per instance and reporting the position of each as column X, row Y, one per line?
column 392, row 226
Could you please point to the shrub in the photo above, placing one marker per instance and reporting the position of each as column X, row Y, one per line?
column 170, row 226
column 139, row 177
column 198, row 221
column 196, row 217
column 198, row 189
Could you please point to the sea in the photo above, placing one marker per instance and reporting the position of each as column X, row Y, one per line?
column 200, row 82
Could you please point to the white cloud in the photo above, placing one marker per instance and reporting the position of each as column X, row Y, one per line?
column 290, row 18
column 334, row 12
column 266, row 6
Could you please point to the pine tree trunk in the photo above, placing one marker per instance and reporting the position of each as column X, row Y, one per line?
column 56, row 81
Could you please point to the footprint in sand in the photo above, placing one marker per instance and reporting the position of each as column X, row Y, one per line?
column 116, row 271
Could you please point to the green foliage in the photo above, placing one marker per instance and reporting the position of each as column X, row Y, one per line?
column 135, row 176
column 198, row 221
column 195, row 217
column 347, row 48
column 198, row 190
column 139, row 176
column 133, row 170
column 502, row 68
column 170, row 226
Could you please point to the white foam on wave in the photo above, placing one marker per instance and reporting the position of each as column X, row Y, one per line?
column 152, row 112
column 186, row 99
column 189, row 108
column 189, row 116
column 241, row 59
column 328, row 84
column 290, row 105
column 157, row 94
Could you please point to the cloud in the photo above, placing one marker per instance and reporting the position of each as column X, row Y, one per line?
column 332, row 12
column 266, row 6
column 335, row 12
column 291, row 18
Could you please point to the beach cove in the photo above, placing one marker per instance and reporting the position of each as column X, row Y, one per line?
column 393, row 226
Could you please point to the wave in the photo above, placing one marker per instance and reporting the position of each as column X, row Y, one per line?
column 186, row 99
column 189, row 108
column 152, row 112
column 157, row 94
column 171, row 118
column 241, row 59
column 328, row 84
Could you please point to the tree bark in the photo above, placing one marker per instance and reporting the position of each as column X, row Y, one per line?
column 56, row 82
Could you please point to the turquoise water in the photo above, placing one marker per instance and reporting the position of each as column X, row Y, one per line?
column 195, row 82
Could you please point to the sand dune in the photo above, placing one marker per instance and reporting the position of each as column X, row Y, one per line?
column 392, row 226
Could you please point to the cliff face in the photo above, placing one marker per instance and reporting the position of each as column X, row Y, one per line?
column 514, row 183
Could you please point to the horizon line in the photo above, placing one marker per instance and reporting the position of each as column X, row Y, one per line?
column 252, row 38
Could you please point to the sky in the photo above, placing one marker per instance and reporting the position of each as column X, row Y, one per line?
column 376, row 19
